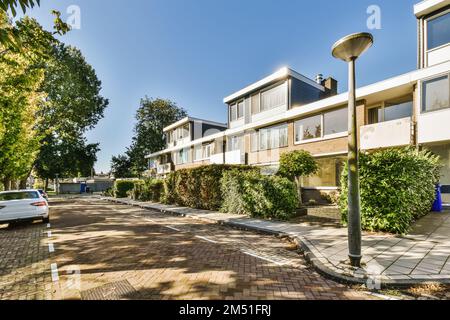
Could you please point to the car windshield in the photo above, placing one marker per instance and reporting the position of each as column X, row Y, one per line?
column 19, row 195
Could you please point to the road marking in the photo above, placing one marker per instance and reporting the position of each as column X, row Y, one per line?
column 150, row 220
column 175, row 229
column 262, row 258
column 51, row 247
column 54, row 268
column 206, row 239
column 381, row 296
column 49, row 234
column 48, row 225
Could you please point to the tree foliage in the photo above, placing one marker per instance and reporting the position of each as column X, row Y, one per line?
column 151, row 118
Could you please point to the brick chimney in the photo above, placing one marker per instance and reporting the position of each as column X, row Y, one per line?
column 330, row 85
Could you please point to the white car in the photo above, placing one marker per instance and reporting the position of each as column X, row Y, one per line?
column 23, row 205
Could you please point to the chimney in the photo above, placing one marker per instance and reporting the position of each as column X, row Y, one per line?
column 330, row 85
column 319, row 78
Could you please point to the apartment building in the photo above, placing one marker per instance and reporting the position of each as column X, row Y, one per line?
column 288, row 111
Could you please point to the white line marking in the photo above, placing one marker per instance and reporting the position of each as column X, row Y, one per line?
column 175, row 229
column 48, row 225
column 206, row 239
column 150, row 220
column 51, row 247
column 54, row 268
column 381, row 296
column 262, row 258
column 49, row 234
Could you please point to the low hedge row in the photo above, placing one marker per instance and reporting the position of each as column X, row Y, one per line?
column 123, row 187
column 397, row 187
column 256, row 195
column 198, row 187
column 148, row 190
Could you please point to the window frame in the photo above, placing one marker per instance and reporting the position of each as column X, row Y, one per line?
column 233, row 106
column 384, row 104
column 275, row 85
column 422, row 95
column 242, row 101
column 427, row 20
column 269, row 137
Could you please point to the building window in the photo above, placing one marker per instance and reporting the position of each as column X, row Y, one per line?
column 308, row 128
column 329, row 173
column 198, row 152
column 234, row 143
column 206, row 150
column 240, row 110
column 182, row 156
column 255, row 101
column 436, row 94
column 273, row 137
column 233, row 112
column 391, row 110
column 335, row 121
column 273, row 98
column 438, row 31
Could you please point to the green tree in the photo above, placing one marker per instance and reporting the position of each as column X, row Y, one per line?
column 121, row 166
column 12, row 5
column 297, row 164
column 151, row 117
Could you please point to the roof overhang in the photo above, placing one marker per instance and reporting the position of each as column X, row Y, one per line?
column 428, row 6
column 279, row 75
column 189, row 119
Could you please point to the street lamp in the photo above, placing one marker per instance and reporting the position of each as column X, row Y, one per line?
column 349, row 49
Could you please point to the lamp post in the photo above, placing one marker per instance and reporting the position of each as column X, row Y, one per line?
column 349, row 49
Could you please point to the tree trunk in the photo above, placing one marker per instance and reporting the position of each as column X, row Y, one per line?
column 46, row 185
column 23, row 183
column 299, row 191
column 7, row 184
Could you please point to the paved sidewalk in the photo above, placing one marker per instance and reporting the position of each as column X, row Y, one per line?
column 421, row 256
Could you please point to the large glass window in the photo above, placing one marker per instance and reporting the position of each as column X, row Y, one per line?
column 308, row 128
column 233, row 112
column 240, row 110
column 198, row 152
column 273, row 137
column 394, row 111
column 438, row 31
column 436, row 94
column 234, row 143
column 328, row 175
column 335, row 121
column 273, row 98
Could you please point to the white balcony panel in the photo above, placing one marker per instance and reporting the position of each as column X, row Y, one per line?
column 438, row 55
column 163, row 168
column 216, row 158
column 434, row 126
column 233, row 157
column 237, row 123
column 269, row 113
column 386, row 134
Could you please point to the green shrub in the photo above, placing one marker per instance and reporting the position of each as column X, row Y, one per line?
column 397, row 187
column 123, row 187
column 198, row 187
column 257, row 195
column 147, row 190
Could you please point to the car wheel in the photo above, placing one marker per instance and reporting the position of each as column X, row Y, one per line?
column 46, row 220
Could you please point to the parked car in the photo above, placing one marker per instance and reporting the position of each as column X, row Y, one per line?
column 23, row 205
column 44, row 194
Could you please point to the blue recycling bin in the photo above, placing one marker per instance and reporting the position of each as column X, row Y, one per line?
column 437, row 205
column 83, row 187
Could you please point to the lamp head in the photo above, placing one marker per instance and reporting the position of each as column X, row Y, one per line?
column 352, row 46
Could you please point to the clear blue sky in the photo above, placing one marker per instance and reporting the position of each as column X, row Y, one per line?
column 197, row 52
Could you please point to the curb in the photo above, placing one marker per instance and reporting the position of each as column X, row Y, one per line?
column 322, row 267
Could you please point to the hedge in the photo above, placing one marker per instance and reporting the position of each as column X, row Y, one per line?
column 148, row 190
column 123, row 187
column 198, row 187
column 397, row 187
column 257, row 195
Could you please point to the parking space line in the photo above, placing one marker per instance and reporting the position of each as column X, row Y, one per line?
column 48, row 225
column 51, row 247
column 54, row 268
column 262, row 258
column 49, row 234
column 206, row 239
column 175, row 229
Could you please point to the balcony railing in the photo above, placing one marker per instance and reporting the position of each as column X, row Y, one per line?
column 386, row 134
column 163, row 168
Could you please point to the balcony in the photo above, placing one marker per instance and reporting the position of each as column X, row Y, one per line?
column 231, row 157
column 163, row 168
column 386, row 134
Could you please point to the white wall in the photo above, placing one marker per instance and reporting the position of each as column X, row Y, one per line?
column 434, row 126
column 386, row 134
column 438, row 55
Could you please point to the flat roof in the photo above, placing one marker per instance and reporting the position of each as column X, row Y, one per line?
column 277, row 75
column 427, row 6
column 189, row 119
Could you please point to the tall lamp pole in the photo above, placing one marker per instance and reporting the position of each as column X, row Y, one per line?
column 349, row 49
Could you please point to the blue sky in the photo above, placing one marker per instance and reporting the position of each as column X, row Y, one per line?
column 197, row 52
